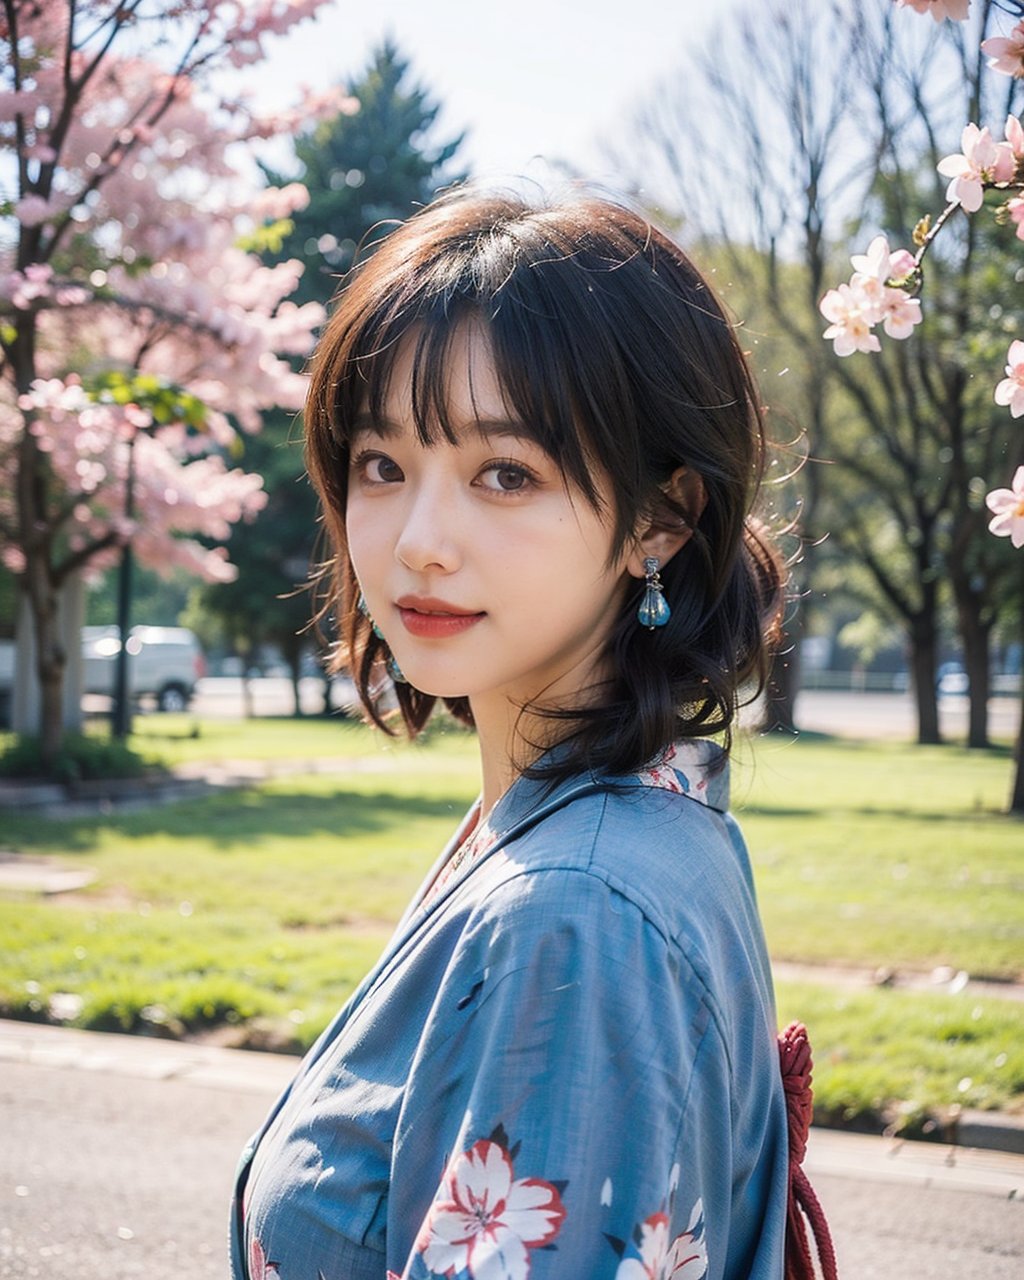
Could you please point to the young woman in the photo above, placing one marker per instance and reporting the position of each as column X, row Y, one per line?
column 537, row 444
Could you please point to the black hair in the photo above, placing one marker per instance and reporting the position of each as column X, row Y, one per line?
column 611, row 350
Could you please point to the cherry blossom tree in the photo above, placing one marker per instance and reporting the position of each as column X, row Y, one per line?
column 139, row 329
column 884, row 285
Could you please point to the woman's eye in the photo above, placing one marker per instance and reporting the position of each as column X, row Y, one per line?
column 506, row 477
column 377, row 468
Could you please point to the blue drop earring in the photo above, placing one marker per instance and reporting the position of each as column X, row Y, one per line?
column 394, row 670
column 653, row 611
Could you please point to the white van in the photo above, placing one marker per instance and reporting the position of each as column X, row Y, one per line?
column 164, row 663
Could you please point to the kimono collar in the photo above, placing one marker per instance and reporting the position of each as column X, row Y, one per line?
column 692, row 767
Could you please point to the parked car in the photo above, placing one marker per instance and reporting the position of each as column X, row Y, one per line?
column 952, row 678
column 164, row 663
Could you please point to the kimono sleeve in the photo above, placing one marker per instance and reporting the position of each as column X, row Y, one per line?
column 568, row 1111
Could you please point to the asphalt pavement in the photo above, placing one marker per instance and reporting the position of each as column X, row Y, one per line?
column 117, row 1155
column 843, row 712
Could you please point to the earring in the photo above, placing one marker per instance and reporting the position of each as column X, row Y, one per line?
column 394, row 670
column 654, row 611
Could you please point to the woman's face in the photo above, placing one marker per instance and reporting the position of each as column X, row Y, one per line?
column 487, row 576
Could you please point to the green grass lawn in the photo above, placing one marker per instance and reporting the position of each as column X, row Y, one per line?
column 873, row 854
column 264, row 907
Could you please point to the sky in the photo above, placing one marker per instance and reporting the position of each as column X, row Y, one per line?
column 532, row 81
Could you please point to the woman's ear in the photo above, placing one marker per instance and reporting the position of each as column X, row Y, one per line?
column 661, row 540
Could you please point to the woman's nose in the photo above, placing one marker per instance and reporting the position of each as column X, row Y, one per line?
column 428, row 538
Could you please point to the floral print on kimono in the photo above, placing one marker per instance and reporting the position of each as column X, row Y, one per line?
column 484, row 1221
column 652, row 1253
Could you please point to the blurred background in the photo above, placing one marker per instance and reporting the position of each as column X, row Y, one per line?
column 200, row 840
column 773, row 142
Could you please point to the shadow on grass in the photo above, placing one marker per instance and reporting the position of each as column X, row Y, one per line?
column 883, row 746
column 859, row 812
column 244, row 818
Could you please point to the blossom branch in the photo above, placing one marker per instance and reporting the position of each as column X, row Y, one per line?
column 925, row 234
column 884, row 286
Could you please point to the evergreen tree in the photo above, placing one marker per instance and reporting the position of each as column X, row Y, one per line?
column 264, row 605
column 362, row 169
column 365, row 169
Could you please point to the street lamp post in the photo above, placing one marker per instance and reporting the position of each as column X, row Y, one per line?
column 121, row 714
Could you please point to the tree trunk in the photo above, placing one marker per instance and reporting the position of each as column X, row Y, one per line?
column 970, row 591
column 36, row 579
column 48, row 654
column 1017, row 793
column 783, row 684
column 978, row 664
column 27, row 697
column 248, row 710
column 293, row 652
column 923, row 656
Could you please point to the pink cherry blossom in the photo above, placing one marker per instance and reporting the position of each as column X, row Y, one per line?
column 899, row 313
column 129, row 188
column 1007, row 506
column 982, row 161
column 1011, row 390
column 875, row 269
column 1014, row 134
column 901, row 263
column 685, row 1258
column 24, row 288
column 31, row 210
column 956, row 10
column 180, row 486
column 875, row 264
column 1006, row 53
column 1015, row 208
column 485, row 1221
column 852, row 313
column 279, row 202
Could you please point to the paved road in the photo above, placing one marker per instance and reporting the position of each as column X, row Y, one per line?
column 117, row 1154
column 857, row 715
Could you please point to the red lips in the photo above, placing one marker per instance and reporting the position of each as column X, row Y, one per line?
column 430, row 618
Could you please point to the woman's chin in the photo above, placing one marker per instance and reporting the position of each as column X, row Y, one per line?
column 436, row 687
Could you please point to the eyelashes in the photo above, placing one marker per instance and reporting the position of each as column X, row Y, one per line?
column 365, row 462
column 499, row 477
column 523, row 478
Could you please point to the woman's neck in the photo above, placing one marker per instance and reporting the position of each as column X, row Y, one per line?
column 503, row 754
column 510, row 740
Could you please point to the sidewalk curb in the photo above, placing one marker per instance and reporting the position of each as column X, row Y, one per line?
column 39, row 1044
column 991, row 1131
column 983, row 1167
column 184, row 781
column 91, row 796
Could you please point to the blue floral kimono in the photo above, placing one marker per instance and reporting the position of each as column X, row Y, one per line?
column 564, row 1066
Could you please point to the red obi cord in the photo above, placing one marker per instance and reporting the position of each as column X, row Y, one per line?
column 795, row 1061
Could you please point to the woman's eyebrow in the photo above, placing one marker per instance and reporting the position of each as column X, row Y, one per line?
column 488, row 428
column 493, row 427
column 366, row 424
